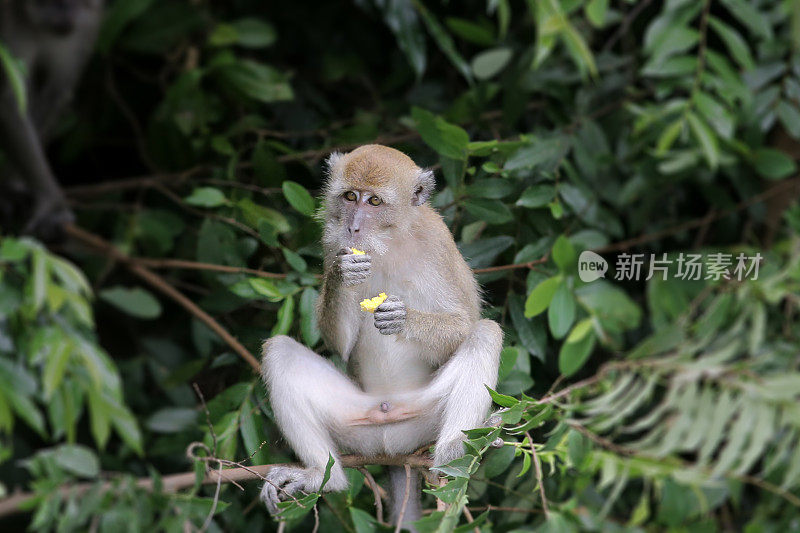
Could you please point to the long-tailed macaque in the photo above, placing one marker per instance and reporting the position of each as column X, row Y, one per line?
column 53, row 39
column 417, row 368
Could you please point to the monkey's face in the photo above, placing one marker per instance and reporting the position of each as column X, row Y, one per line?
column 55, row 16
column 372, row 194
column 360, row 218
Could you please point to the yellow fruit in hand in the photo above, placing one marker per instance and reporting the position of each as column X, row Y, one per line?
column 357, row 252
column 370, row 304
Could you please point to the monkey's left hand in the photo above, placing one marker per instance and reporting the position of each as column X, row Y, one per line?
column 390, row 316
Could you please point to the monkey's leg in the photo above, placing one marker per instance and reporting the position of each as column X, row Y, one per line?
column 312, row 402
column 459, row 388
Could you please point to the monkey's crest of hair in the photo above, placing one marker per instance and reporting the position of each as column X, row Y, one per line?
column 380, row 169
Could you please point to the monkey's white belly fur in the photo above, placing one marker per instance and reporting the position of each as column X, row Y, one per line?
column 386, row 364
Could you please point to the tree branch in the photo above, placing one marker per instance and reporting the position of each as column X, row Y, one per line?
column 159, row 283
column 175, row 482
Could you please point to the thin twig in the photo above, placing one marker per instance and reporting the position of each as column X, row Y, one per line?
column 529, row 264
column 213, row 509
column 195, row 265
column 208, row 418
column 537, row 467
column 470, row 519
column 405, row 500
column 316, row 519
column 375, row 492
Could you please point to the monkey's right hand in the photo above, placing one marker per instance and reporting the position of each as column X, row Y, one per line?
column 354, row 268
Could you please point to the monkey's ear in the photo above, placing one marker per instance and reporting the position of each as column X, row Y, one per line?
column 334, row 158
column 424, row 187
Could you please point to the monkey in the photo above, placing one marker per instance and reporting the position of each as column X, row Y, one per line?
column 417, row 370
column 53, row 39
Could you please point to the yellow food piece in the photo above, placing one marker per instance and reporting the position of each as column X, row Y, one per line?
column 370, row 304
column 358, row 252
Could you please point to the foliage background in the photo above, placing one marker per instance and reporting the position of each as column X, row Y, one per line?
column 555, row 126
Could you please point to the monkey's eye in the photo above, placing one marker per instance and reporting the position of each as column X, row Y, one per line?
column 374, row 200
column 350, row 196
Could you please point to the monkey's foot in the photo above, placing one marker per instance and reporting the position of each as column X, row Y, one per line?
column 385, row 413
column 282, row 482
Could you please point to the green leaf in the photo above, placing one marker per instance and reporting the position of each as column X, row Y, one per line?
column 362, row 521
column 117, row 17
column 78, row 460
column 446, row 139
column 308, row 317
column 402, row 19
column 508, row 357
column 136, row 301
column 746, row 13
column 580, row 330
column 248, row 32
column 564, row 253
column 498, row 461
column 294, row 259
column 501, row 399
column 252, row 438
column 55, row 366
column 15, row 77
column 285, row 318
column 561, row 313
column 443, row 40
column 541, row 153
column 490, row 62
column 492, row 211
column 573, row 355
column 298, row 197
column 668, row 136
column 773, row 164
column 737, row 46
column 250, row 79
column 707, row 139
column 715, row 113
column 206, row 197
column 789, row 116
column 596, row 12
column 537, row 196
column 171, row 420
column 471, row 31
column 541, row 296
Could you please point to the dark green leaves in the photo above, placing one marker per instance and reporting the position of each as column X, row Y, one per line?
column 447, row 139
column 136, row 301
column 206, row 197
column 298, row 197
column 247, row 32
column 489, row 63
column 773, row 164
column 15, row 78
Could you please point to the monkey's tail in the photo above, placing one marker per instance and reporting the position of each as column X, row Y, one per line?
column 404, row 496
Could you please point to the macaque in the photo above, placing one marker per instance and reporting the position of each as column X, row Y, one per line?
column 417, row 368
column 53, row 39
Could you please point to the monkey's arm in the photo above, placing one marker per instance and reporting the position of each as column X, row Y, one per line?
column 337, row 307
column 440, row 332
